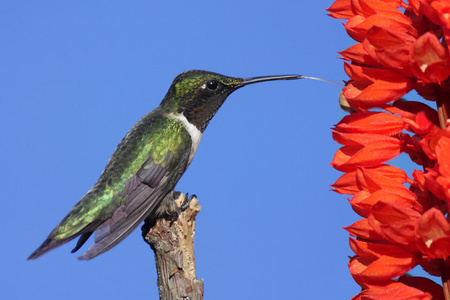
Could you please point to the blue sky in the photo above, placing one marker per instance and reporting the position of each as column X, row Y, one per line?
column 75, row 76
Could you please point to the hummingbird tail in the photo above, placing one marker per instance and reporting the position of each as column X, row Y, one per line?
column 83, row 238
column 51, row 243
column 48, row 245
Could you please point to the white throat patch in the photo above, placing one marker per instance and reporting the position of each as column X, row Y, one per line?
column 196, row 135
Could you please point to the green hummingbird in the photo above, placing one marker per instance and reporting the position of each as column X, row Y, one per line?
column 139, row 178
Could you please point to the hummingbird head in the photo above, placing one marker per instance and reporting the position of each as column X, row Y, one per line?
column 198, row 94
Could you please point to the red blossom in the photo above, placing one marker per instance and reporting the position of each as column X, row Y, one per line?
column 362, row 178
column 363, row 201
column 431, row 140
column 420, row 117
column 358, row 55
column 371, row 122
column 392, row 290
column 424, row 284
column 438, row 12
column 341, row 9
column 363, row 231
column 433, row 234
column 371, row 87
column 375, row 262
column 348, row 158
column 400, row 46
column 383, row 177
column 358, row 25
column 430, row 61
column 395, row 224
column 392, row 48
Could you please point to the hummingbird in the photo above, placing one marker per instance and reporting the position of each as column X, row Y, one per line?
column 138, row 181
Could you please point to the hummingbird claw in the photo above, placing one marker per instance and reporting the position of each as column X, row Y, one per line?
column 187, row 200
column 172, row 220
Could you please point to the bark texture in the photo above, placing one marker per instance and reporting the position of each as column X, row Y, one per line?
column 173, row 244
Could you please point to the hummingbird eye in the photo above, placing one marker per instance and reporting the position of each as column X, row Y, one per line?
column 212, row 85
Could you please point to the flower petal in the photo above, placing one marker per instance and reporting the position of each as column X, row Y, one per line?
column 392, row 290
column 425, row 285
column 362, row 230
column 395, row 223
column 391, row 48
column 430, row 60
column 372, row 87
column 433, row 234
column 371, row 122
column 340, row 9
column 379, row 262
column 374, row 153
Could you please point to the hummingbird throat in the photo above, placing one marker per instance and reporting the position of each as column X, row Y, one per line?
column 201, row 114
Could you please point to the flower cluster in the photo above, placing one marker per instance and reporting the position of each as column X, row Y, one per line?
column 401, row 46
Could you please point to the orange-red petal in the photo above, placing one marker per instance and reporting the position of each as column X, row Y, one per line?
column 363, row 201
column 395, row 223
column 392, row 290
column 430, row 59
column 357, row 54
column 379, row 262
column 371, row 122
column 425, row 285
column 340, row 9
column 362, row 230
column 371, row 87
column 373, row 153
column 391, row 48
column 433, row 234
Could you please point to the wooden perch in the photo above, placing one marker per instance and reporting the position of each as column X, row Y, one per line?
column 173, row 245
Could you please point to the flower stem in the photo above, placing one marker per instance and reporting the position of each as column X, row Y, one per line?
column 446, row 279
column 443, row 106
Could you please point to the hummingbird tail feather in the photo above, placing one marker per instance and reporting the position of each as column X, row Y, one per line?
column 51, row 243
column 48, row 245
column 83, row 238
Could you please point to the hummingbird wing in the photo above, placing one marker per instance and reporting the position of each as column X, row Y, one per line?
column 143, row 196
column 150, row 160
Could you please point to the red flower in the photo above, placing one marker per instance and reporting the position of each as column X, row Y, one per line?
column 354, row 181
column 395, row 224
column 400, row 46
column 370, row 87
column 437, row 179
column 430, row 60
column 394, row 290
column 433, row 234
column 376, row 263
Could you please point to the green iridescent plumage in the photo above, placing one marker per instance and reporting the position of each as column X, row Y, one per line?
column 140, row 176
column 143, row 141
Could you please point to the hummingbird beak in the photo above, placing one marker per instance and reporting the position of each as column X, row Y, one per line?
column 251, row 80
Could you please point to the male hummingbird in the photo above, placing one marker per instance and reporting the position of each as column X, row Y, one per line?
column 138, row 180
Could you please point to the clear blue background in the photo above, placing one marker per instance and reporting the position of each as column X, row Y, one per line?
column 75, row 76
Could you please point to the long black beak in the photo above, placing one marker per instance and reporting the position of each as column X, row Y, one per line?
column 251, row 80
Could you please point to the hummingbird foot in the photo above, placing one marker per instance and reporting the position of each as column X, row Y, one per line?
column 187, row 200
column 168, row 209
column 179, row 209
